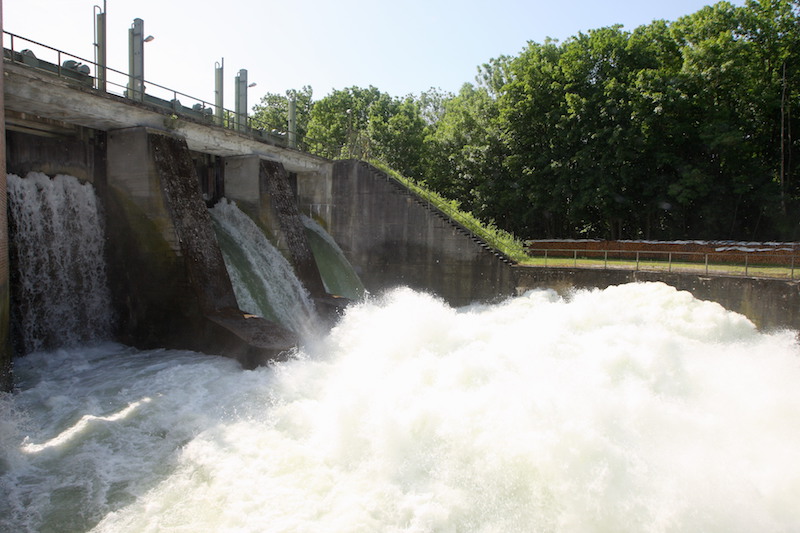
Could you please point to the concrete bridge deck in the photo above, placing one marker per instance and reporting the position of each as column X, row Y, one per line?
column 39, row 94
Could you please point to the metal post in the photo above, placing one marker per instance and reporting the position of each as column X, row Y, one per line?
column 605, row 259
column 136, row 60
column 574, row 258
column 745, row 263
column 292, row 120
column 670, row 262
column 218, row 93
column 100, row 47
column 637, row 261
column 241, row 100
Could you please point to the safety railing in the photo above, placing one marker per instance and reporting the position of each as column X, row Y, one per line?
column 88, row 74
column 733, row 263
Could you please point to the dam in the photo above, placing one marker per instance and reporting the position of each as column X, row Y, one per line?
column 156, row 167
column 442, row 401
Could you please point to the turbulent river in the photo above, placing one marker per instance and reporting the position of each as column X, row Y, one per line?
column 636, row 408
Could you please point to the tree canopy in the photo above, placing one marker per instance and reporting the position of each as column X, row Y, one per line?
column 674, row 130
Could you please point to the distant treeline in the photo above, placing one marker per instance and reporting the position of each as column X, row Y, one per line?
column 676, row 130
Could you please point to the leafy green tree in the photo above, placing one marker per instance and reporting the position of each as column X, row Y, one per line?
column 272, row 113
column 465, row 161
column 366, row 123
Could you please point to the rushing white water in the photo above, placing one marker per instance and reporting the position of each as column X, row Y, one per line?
column 636, row 408
column 62, row 295
column 263, row 280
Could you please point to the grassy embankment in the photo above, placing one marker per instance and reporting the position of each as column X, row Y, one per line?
column 514, row 248
column 498, row 239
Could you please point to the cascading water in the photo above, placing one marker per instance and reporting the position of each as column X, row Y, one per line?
column 263, row 280
column 61, row 295
column 337, row 273
column 632, row 409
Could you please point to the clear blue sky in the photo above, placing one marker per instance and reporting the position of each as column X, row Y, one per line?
column 400, row 47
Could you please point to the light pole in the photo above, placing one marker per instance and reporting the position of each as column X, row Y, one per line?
column 241, row 99
column 136, row 40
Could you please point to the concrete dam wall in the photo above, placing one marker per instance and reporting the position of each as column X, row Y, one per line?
column 156, row 177
column 393, row 238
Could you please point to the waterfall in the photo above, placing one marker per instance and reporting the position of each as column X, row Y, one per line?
column 337, row 273
column 61, row 295
column 263, row 280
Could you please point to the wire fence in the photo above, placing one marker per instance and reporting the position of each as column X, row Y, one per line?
column 732, row 263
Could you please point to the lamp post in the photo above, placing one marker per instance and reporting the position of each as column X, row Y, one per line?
column 241, row 99
column 136, row 40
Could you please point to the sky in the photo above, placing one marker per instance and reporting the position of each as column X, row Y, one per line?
column 400, row 47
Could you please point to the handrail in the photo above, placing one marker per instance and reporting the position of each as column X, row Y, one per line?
column 742, row 262
column 200, row 109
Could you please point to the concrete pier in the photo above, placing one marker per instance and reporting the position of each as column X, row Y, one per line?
column 168, row 276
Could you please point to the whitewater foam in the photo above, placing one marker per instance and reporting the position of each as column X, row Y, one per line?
column 635, row 408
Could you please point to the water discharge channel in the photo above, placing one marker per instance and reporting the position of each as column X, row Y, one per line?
column 634, row 408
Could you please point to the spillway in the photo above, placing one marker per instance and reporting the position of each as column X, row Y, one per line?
column 263, row 280
column 61, row 295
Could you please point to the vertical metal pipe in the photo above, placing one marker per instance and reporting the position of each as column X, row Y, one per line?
column 101, row 49
column 293, row 120
column 218, row 93
column 136, row 60
column 241, row 100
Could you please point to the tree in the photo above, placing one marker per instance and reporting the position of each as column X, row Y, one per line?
column 272, row 113
column 367, row 123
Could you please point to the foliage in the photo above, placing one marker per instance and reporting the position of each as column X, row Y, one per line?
column 675, row 130
column 272, row 113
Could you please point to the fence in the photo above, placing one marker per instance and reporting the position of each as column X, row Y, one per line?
column 88, row 74
column 737, row 263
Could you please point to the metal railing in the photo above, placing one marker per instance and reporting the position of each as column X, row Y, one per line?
column 738, row 263
column 86, row 73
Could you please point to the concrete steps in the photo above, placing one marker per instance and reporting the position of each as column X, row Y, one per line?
column 435, row 211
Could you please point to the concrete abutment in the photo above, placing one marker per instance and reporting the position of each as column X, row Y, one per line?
column 167, row 272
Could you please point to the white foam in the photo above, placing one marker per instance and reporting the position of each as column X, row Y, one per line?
column 636, row 408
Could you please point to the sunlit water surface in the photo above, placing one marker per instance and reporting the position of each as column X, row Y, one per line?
column 636, row 408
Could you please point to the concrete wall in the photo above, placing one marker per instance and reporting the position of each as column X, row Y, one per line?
column 6, row 380
column 168, row 276
column 261, row 189
column 57, row 149
column 392, row 238
column 770, row 304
